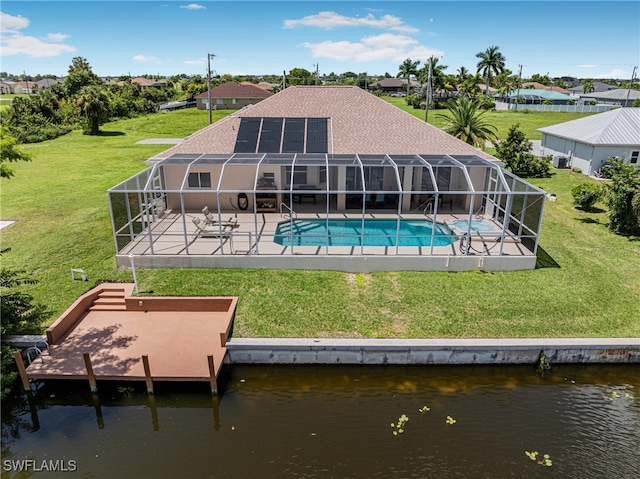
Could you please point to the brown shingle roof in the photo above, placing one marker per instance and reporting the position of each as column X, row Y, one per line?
column 235, row 90
column 359, row 122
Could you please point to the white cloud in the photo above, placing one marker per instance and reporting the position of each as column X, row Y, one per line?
column 144, row 58
column 200, row 61
column 379, row 47
column 18, row 44
column 615, row 73
column 330, row 20
column 9, row 23
column 57, row 37
column 587, row 65
column 193, row 6
column 13, row 42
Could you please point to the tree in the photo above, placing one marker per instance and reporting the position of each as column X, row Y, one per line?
column 93, row 107
column 438, row 77
column 515, row 151
column 79, row 76
column 300, row 76
column 462, row 74
column 471, row 85
column 622, row 196
column 9, row 152
column 19, row 315
column 406, row 69
column 491, row 62
column 467, row 123
column 588, row 86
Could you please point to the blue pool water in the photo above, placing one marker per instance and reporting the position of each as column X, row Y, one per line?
column 348, row 232
column 476, row 225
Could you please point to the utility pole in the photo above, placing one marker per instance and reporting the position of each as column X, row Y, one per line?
column 426, row 108
column 209, row 57
column 633, row 75
column 519, row 82
column 284, row 79
column 317, row 66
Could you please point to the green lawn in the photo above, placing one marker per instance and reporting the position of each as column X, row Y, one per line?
column 529, row 120
column 588, row 283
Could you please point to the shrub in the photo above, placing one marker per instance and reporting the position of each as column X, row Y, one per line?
column 575, row 169
column 622, row 196
column 585, row 195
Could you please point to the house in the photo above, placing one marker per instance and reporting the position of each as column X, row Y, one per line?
column 264, row 85
column 393, row 85
column 6, row 87
column 145, row 83
column 326, row 156
column 588, row 142
column 534, row 96
column 598, row 87
column 617, row 96
column 232, row 96
column 539, row 86
column 46, row 82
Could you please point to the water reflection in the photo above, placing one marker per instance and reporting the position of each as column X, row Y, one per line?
column 325, row 421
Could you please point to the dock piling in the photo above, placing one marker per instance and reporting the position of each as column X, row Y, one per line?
column 212, row 375
column 92, row 377
column 147, row 373
column 17, row 355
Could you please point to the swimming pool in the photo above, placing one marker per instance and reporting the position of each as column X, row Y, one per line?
column 478, row 225
column 348, row 232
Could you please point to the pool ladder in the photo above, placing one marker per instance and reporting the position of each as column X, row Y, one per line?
column 37, row 352
column 291, row 214
column 428, row 210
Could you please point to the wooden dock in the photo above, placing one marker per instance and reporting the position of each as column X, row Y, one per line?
column 107, row 334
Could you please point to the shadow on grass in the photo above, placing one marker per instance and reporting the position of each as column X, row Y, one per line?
column 593, row 209
column 589, row 221
column 110, row 133
column 544, row 260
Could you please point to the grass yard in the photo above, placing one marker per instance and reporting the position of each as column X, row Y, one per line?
column 587, row 286
column 529, row 120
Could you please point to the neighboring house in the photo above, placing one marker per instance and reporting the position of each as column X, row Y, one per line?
column 534, row 96
column 588, row 142
column 6, row 87
column 232, row 96
column 264, row 85
column 330, row 153
column 393, row 85
column 22, row 87
column 598, row 86
column 619, row 96
column 540, row 86
column 145, row 83
column 46, row 82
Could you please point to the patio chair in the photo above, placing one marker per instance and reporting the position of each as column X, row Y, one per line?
column 211, row 219
column 202, row 229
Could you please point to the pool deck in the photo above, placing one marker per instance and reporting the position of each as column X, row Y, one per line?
column 253, row 237
column 176, row 334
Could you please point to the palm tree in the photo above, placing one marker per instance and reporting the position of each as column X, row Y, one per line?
column 588, row 86
column 438, row 80
column 463, row 73
column 408, row 68
column 93, row 106
column 471, row 85
column 467, row 124
column 491, row 62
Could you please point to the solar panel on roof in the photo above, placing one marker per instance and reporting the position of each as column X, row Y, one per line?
column 247, row 137
column 270, row 135
column 293, row 140
column 317, row 135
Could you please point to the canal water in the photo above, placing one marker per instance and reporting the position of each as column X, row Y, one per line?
column 336, row 422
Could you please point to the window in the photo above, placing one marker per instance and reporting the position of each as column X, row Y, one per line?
column 634, row 157
column 299, row 175
column 219, row 101
column 234, row 101
column 323, row 174
column 199, row 180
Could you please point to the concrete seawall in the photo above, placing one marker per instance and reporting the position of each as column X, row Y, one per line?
column 432, row 351
column 419, row 351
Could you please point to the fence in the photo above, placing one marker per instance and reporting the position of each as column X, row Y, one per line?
column 568, row 108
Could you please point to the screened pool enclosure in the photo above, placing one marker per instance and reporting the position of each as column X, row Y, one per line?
column 345, row 212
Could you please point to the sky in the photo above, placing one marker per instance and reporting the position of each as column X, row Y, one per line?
column 584, row 39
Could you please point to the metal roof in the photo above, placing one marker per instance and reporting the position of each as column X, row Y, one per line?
column 613, row 127
column 537, row 93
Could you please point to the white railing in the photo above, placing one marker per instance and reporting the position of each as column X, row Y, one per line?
column 291, row 214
